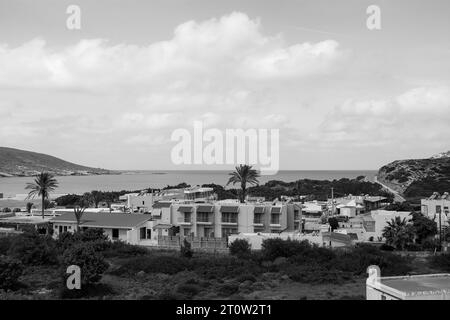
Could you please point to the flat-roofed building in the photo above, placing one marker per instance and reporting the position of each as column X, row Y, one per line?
column 222, row 218
column 414, row 287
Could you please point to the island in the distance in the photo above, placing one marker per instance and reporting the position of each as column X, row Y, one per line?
column 21, row 163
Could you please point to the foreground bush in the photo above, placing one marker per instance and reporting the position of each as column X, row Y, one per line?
column 274, row 248
column 10, row 271
column 240, row 248
column 91, row 263
column 32, row 248
column 441, row 262
column 169, row 264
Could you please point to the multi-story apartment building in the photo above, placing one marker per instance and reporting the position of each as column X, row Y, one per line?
column 437, row 206
column 221, row 218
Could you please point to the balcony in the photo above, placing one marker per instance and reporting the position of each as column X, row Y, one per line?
column 231, row 221
column 258, row 222
column 206, row 222
column 185, row 220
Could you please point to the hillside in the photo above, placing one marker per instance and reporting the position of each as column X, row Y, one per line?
column 417, row 177
column 14, row 162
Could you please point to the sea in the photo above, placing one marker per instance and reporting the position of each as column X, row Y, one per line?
column 139, row 180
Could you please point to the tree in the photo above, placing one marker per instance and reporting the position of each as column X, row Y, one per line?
column 91, row 262
column 244, row 174
column 398, row 233
column 29, row 206
column 334, row 223
column 78, row 214
column 185, row 249
column 423, row 227
column 240, row 248
column 43, row 184
column 10, row 271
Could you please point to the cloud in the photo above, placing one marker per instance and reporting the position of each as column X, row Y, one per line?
column 419, row 115
column 233, row 44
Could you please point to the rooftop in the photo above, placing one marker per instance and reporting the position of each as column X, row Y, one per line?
column 419, row 284
column 105, row 220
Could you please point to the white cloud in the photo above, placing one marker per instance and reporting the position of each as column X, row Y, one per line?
column 233, row 45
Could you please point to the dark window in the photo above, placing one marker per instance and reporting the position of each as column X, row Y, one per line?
column 60, row 229
column 149, row 233
column 143, row 232
column 115, row 234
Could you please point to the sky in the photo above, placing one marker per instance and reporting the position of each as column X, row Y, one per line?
column 110, row 94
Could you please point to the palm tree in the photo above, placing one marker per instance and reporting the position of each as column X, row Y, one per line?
column 43, row 184
column 244, row 174
column 78, row 214
column 398, row 233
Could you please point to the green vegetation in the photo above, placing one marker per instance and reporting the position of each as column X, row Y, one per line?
column 43, row 184
column 243, row 175
column 240, row 248
column 399, row 233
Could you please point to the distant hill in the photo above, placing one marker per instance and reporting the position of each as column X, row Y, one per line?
column 418, row 177
column 14, row 162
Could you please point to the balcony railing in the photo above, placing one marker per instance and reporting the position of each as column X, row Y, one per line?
column 229, row 220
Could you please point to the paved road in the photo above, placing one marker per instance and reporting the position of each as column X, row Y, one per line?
column 397, row 196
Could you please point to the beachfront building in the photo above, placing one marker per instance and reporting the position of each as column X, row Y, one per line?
column 220, row 219
column 437, row 207
column 130, row 228
column 143, row 202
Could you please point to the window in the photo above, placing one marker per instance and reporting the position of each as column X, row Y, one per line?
column 438, row 209
column 60, row 229
column 149, row 233
column 65, row 228
column 275, row 219
column 187, row 217
column 202, row 217
column 229, row 217
column 115, row 234
column 258, row 218
column 143, row 233
column 143, row 202
column 187, row 232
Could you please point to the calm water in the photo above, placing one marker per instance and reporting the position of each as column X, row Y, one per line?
column 155, row 179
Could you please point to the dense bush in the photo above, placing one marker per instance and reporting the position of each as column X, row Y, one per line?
column 188, row 290
column 5, row 244
column 32, row 248
column 274, row 248
column 91, row 262
column 225, row 267
column 442, row 262
column 168, row 264
column 228, row 289
column 94, row 236
column 10, row 271
column 240, row 248
column 120, row 249
column 186, row 250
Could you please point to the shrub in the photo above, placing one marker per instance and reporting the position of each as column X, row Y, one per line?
column 189, row 290
column 95, row 237
column 246, row 277
column 91, row 262
column 316, row 274
column 6, row 210
column 186, row 250
column 274, row 248
column 5, row 244
column 120, row 249
column 16, row 210
column 10, row 271
column 227, row 289
column 153, row 264
column 441, row 262
column 240, row 248
column 32, row 248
